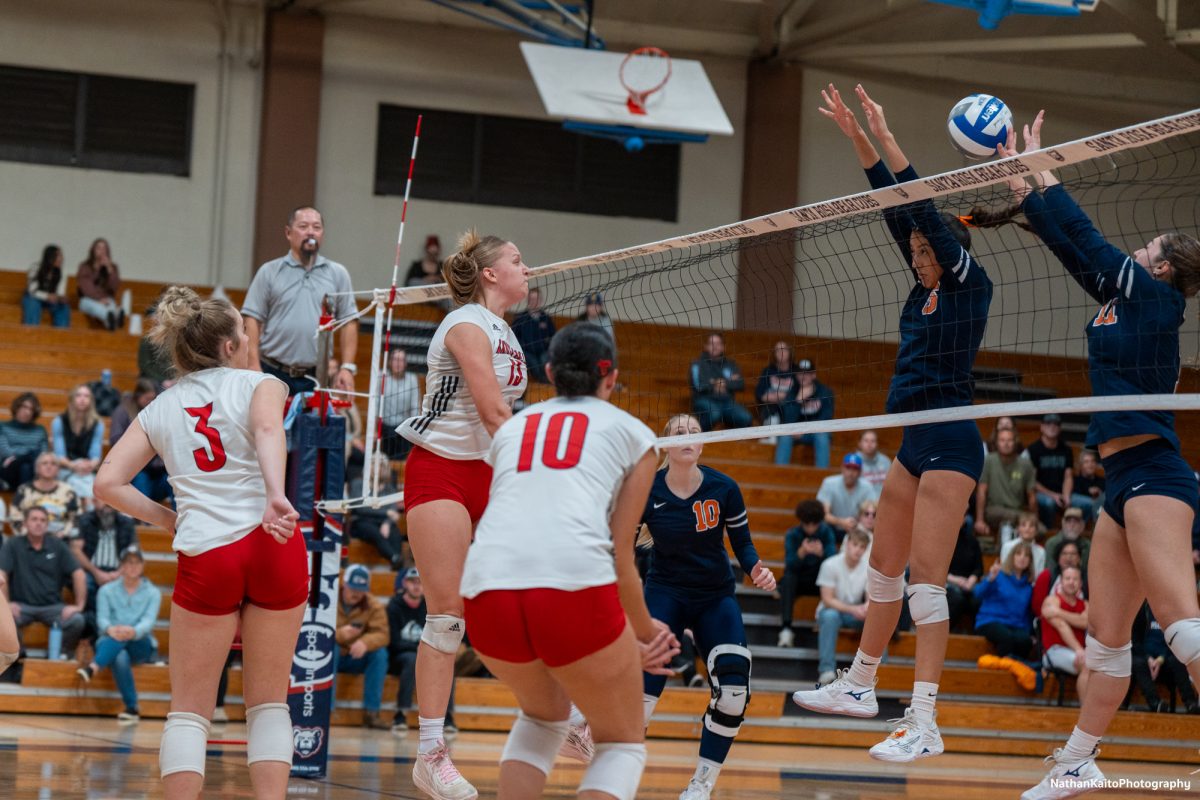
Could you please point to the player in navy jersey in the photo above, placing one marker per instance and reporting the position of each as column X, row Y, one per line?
column 690, row 585
column 938, row 465
column 1140, row 547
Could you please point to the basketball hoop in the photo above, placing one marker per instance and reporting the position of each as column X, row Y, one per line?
column 643, row 72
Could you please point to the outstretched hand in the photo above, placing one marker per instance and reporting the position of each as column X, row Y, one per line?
column 279, row 519
column 874, row 113
column 837, row 110
column 656, row 654
column 1033, row 134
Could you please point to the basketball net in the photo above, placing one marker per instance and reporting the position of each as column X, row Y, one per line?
column 644, row 71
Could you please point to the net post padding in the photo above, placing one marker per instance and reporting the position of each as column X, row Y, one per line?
column 974, row 177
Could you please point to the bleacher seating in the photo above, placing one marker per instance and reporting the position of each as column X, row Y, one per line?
column 49, row 361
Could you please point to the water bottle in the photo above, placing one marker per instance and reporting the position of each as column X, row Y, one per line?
column 55, row 645
column 106, row 377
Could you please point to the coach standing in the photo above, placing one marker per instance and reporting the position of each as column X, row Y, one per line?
column 283, row 306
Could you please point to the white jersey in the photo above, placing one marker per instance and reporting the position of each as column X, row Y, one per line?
column 449, row 423
column 201, row 428
column 558, row 467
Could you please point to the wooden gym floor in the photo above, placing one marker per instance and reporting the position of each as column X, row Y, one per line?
column 67, row 758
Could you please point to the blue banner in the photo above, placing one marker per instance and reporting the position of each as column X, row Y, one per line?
column 316, row 468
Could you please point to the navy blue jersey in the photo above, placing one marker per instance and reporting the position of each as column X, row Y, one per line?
column 1133, row 341
column 940, row 328
column 689, row 535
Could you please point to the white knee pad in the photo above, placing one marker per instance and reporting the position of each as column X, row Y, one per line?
column 927, row 604
column 7, row 660
column 535, row 742
column 882, row 589
column 1183, row 637
column 1112, row 661
column 729, row 675
column 184, row 741
column 616, row 769
column 269, row 733
column 443, row 632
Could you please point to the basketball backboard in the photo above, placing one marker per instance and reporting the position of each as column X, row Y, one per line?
column 585, row 86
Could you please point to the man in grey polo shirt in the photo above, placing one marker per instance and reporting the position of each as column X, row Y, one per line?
column 35, row 567
column 283, row 306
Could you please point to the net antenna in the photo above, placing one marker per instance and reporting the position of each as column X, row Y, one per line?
column 383, row 304
column 643, row 72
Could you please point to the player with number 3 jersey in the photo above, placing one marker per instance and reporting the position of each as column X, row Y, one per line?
column 219, row 431
column 690, row 585
column 476, row 374
column 550, row 581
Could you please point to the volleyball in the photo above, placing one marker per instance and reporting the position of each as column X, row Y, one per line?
column 978, row 123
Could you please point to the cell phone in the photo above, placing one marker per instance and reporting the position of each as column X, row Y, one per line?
column 358, row 625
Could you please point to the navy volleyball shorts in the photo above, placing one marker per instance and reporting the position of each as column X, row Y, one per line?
column 1151, row 468
column 956, row 446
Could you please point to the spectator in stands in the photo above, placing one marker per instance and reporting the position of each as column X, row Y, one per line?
column 966, row 568
column 44, row 291
column 805, row 547
column 534, row 329
column 406, row 620
column 1064, row 625
column 1087, row 489
column 1152, row 659
column 154, row 363
column 813, row 402
column 102, row 534
column 1065, row 555
column 22, row 440
column 427, row 270
column 843, row 583
column 1052, row 461
column 593, row 311
column 1004, row 617
column 1027, row 531
column 875, row 463
column 868, row 513
column 283, row 305
column 78, row 434
column 775, row 391
column 50, row 494
column 1072, row 531
column 1005, row 424
column 98, row 282
column 842, row 494
column 362, row 637
column 715, row 379
column 1006, row 488
column 35, row 567
column 401, row 400
column 380, row 527
column 125, row 615
column 152, row 480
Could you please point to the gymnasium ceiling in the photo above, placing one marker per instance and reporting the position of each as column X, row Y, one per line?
column 1134, row 53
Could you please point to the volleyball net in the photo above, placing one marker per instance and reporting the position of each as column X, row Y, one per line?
column 836, row 266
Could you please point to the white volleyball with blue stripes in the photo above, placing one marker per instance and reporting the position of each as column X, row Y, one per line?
column 978, row 123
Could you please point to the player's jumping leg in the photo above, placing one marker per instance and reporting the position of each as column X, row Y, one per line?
column 440, row 550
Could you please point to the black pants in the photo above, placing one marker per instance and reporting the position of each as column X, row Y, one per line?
column 1173, row 673
column 304, row 383
column 1007, row 640
column 404, row 665
column 393, row 445
column 962, row 604
column 19, row 470
column 797, row 583
column 370, row 531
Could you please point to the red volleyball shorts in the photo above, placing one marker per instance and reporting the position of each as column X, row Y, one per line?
column 556, row 626
column 255, row 569
column 429, row 477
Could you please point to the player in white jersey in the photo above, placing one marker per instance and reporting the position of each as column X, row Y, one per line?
column 219, row 430
column 551, row 577
column 476, row 374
